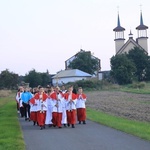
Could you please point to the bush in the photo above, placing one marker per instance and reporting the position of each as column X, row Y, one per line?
column 142, row 84
column 137, row 85
column 5, row 93
column 134, row 85
column 92, row 84
column 85, row 84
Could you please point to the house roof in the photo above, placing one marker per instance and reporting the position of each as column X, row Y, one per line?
column 71, row 73
column 81, row 52
column 74, row 56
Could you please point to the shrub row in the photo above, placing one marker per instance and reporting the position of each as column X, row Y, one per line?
column 137, row 85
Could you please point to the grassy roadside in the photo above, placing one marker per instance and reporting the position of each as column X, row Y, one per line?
column 10, row 132
column 136, row 128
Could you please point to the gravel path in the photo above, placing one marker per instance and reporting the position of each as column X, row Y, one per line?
column 128, row 105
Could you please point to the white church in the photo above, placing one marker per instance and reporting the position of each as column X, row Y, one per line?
column 141, row 41
column 124, row 47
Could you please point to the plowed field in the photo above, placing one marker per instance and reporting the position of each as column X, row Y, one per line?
column 128, row 105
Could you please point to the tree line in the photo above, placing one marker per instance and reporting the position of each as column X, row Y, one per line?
column 125, row 68
column 10, row 80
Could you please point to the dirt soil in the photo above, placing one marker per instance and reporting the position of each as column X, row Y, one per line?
column 128, row 105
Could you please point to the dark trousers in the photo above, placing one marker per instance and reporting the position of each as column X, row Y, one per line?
column 22, row 111
column 26, row 109
column 17, row 106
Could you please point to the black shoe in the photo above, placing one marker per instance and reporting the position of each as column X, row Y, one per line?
column 68, row 125
column 84, row 122
column 79, row 122
column 59, row 127
column 26, row 119
column 44, row 127
column 34, row 123
column 65, row 125
column 73, row 126
column 50, row 125
column 41, row 128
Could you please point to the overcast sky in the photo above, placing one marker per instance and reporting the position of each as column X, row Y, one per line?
column 42, row 34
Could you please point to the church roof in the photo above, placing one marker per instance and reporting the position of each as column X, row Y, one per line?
column 141, row 26
column 131, row 40
column 118, row 28
column 72, row 73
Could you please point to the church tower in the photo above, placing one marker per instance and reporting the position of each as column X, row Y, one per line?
column 119, row 35
column 142, row 34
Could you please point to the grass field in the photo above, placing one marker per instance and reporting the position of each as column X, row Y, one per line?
column 10, row 132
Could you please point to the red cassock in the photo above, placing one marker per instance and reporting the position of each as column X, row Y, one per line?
column 54, row 95
column 32, row 100
column 71, row 114
column 44, row 96
column 33, row 114
column 41, row 116
column 81, row 111
column 56, row 116
column 74, row 96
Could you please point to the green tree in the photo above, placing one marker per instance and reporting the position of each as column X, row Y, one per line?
column 45, row 79
column 141, row 60
column 85, row 62
column 147, row 70
column 8, row 79
column 34, row 78
column 122, row 69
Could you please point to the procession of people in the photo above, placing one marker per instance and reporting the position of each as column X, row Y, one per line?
column 52, row 106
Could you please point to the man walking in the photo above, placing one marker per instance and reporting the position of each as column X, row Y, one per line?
column 25, row 97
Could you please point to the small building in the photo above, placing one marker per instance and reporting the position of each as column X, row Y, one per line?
column 104, row 75
column 70, row 75
column 68, row 61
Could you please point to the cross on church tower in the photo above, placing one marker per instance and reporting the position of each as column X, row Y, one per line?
column 141, row 7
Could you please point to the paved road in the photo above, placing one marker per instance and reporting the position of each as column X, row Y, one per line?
column 91, row 136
